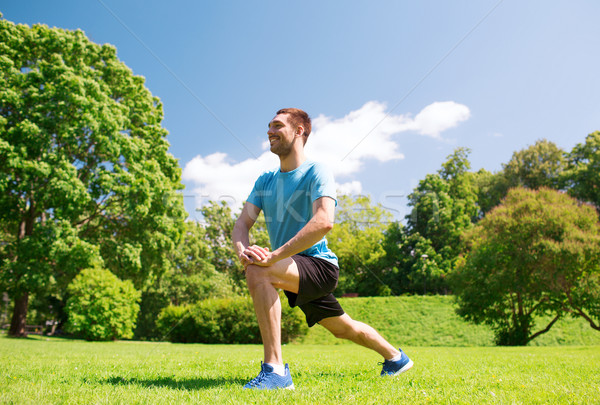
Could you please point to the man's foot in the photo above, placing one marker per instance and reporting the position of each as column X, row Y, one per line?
column 269, row 380
column 397, row 367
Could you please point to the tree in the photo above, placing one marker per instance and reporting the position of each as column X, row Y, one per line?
column 191, row 278
column 412, row 264
column 444, row 206
column 582, row 176
column 356, row 239
column 535, row 254
column 491, row 189
column 539, row 165
column 218, row 224
column 393, row 258
column 84, row 165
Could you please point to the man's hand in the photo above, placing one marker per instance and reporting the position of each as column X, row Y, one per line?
column 239, row 236
column 258, row 255
column 245, row 260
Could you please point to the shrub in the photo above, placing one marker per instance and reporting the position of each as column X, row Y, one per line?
column 100, row 306
column 224, row 320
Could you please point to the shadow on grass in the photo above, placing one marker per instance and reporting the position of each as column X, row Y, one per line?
column 169, row 382
column 42, row 338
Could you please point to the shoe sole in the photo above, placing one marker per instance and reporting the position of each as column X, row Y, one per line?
column 406, row 367
column 289, row 387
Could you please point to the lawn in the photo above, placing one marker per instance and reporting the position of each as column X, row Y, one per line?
column 53, row 370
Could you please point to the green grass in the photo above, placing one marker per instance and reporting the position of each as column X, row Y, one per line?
column 52, row 370
column 432, row 321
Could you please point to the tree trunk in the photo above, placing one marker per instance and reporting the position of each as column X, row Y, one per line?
column 556, row 318
column 19, row 318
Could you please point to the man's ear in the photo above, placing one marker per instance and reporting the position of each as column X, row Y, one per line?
column 299, row 130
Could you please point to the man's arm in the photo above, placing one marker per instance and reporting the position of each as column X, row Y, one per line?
column 318, row 226
column 241, row 232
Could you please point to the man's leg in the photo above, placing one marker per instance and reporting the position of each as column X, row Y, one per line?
column 263, row 283
column 344, row 327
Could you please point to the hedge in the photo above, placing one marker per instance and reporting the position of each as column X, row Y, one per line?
column 224, row 320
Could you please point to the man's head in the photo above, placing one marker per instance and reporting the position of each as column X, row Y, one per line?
column 299, row 120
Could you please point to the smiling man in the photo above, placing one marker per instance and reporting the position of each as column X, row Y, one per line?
column 298, row 201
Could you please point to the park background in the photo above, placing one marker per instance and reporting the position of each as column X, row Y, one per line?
column 428, row 115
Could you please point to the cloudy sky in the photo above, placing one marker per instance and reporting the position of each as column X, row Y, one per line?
column 393, row 86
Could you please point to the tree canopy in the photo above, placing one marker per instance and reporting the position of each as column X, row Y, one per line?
column 445, row 204
column 582, row 176
column 539, row 165
column 535, row 254
column 84, row 165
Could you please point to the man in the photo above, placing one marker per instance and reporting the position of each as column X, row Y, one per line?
column 298, row 201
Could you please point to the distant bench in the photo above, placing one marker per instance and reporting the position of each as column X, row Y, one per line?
column 28, row 328
column 34, row 329
column 49, row 328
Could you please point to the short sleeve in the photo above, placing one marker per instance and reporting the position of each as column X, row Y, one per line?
column 256, row 194
column 323, row 184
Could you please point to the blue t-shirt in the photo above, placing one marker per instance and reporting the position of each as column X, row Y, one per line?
column 286, row 199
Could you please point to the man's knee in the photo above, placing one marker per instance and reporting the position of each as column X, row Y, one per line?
column 255, row 275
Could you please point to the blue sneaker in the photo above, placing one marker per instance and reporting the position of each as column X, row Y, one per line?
column 397, row 367
column 269, row 380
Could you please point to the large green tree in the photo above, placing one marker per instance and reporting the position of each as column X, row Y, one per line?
column 539, row 165
column 84, row 165
column 582, row 177
column 491, row 189
column 444, row 205
column 411, row 264
column 536, row 254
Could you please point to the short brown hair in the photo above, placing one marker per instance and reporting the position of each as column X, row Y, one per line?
column 298, row 117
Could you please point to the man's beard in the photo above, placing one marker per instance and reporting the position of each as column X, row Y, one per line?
column 281, row 149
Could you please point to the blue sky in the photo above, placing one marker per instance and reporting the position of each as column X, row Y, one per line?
column 393, row 87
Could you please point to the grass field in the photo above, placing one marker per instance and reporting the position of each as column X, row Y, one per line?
column 52, row 370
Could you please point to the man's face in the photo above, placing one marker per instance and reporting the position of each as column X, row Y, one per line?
column 281, row 135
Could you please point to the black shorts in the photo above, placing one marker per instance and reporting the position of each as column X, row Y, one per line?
column 318, row 279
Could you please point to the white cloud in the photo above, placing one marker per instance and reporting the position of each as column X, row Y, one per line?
column 440, row 116
column 367, row 133
column 349, row 188
column 344, row 144
column 218, row 179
